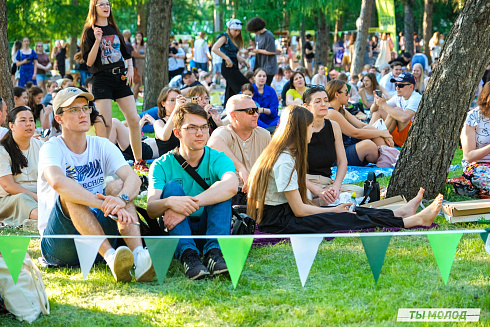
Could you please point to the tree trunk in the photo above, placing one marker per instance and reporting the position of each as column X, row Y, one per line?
column 141, row 19
column 427, row 25
column 73, row 39
column 409, row 23
column 434, row 135
column 6, row 89
column 303, row 41
column 322, row 40
column 338, row 27
column 362, row 37
column 156, row 60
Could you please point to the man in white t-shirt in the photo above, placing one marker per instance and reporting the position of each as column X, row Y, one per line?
column 3, row 117
column 396, row 70
column 201, row 52
column 398, row 112
column 242, row 140
column 72, row 197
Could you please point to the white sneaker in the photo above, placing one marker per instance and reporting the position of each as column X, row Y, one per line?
column 143, row 268
column 121, row 263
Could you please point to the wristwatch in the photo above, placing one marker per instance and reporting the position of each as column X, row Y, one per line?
column 124, row 197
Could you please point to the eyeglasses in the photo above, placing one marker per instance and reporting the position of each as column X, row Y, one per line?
column 346, row 92
column 400, row 85
column 105, row 4
column 192, row 129
column 249, row 111
column 78, row 110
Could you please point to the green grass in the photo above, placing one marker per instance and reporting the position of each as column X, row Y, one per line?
column 340, row 290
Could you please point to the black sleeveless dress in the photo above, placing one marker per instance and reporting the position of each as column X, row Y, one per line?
column 321, row 151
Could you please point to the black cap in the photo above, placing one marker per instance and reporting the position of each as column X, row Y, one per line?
column 404, row 77
column 186, row 72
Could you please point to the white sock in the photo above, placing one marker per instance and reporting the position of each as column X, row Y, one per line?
column 135, row 252
column 108, row 253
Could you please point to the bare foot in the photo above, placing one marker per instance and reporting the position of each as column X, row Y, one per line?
column 411, row 207
column 429, row 214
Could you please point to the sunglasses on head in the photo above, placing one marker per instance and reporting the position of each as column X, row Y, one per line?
column 400, row 85
column 249, row 111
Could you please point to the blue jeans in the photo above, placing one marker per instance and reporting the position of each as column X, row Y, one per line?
column 215, row 220
column 202, row 65
column 62, row 251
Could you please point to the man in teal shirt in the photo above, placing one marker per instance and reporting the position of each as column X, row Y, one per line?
column 182, row 205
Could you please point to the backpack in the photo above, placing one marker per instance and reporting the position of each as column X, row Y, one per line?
column 26, row 299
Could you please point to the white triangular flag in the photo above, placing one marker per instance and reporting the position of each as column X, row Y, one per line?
column 305, row 249
column 87, row 249
column 487, row 244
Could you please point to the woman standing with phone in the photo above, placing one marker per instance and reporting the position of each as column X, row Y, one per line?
column 227, row 47
column 104, row 51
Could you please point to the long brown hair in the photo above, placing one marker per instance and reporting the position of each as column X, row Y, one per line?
column 238, row 41
column 89, row 22
column 36, row 109
column 333, row 87
column 374, row 81
column 162, row 112
column 290, row 135
column 484, row 99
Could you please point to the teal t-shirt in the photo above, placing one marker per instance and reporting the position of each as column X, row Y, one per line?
column 212, row 167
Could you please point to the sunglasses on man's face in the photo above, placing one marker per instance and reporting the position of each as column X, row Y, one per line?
column 249, row 111
column 400, row 85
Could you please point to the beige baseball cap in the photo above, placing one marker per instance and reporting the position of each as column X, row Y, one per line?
column 66, row 97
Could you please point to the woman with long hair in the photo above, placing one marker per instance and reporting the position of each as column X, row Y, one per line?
column 26, row 61
column 104, row 51
column 35, row 99
column 420, row 79
column 227, row 47
column 43, row 65
column 296, row 89
column 435, row 46
column 369, row 85
column 277, row 197
column 19, row 155
column 139, row 54
column 278, row 82
column 475, row 139
column 324, row 151
column 267, row 99
column 361, row 141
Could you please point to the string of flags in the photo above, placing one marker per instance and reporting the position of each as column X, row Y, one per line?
column 235, row 250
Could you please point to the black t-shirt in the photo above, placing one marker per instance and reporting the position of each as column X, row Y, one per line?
column 169, row 145
column 308, row 46
column 321, row 151
column 400, row 59
column 193, row 84
column 111, row 54
column 60, row 57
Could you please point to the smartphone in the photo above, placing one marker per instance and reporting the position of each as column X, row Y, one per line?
column 191, row 99
column 45, row 133
column 378, row 93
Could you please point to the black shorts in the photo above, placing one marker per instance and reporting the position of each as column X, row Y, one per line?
column 110, row 86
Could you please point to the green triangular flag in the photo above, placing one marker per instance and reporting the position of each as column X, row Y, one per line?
column 235, row 251
column 444, row 247
column 13, row 250
column 486, row 241
column 161, row 252
column 375, row 248
column 484, row 237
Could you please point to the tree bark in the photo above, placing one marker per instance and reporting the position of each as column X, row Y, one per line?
column 322, row 40
column 156, row 60
column 409, row 23
column 427, row 25
column 434, row 135
column 141, row 19
column 362, row 37
column 6, row 89
column 73, row 39
column 303, row 41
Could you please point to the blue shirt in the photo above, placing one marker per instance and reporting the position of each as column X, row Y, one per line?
column 267, row 100
column 148, row 128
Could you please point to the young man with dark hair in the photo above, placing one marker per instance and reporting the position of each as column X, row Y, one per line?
column 396, row 70
column 181, row 205
column 265, row 48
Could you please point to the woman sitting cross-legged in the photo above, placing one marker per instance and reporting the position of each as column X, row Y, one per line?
column 19, row 155
column 277, row 197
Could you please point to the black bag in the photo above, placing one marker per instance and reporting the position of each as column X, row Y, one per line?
column 242, row 224
column 371, row 189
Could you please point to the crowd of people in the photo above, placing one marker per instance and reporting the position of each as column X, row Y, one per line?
column 246, row 150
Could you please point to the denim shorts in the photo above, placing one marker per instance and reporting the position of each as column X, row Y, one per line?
column 62, row 251
column 353, row 157
column 41, row 77
column 110, row 86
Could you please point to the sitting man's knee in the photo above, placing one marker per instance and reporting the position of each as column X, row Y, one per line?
column 114, row 187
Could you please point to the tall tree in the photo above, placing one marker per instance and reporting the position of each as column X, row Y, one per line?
column 434, row 135
column 362, row 37
column 322, row 39
column 6, row 91
column 141, row 9
column 156, row 60
column 427, row 25
column 73, row 38
column 409, row 26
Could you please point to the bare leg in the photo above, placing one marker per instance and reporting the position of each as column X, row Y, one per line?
column 136, row 90
column 128, row 107
column 391, row 123
column 367, row 150
column 119, row 134
column 426, row 216
column 104, row 106
column 411, row 207
column 34, row 214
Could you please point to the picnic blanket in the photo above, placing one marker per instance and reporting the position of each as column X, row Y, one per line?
column 357, row 174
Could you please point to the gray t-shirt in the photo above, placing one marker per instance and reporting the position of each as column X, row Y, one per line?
column 266, row 42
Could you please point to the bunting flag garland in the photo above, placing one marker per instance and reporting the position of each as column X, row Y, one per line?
column 305, row 250
column 161, row 252
column 235, row 252
column 486, row 241
column 13, row 250
column 375, row 248
column 444, row 247
column 87, row 250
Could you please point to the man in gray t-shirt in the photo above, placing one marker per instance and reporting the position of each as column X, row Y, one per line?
column 265, row 48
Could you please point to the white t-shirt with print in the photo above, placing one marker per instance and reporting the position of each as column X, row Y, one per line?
column 482, row 132
column 101, row 158
column 412, row 103
column 279, row 180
